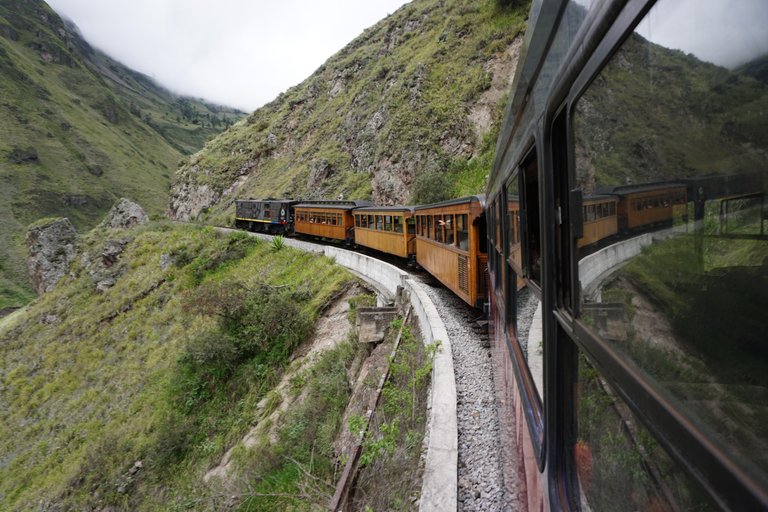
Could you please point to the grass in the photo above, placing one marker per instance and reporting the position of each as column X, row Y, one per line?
column 389, row 477
column 93, row 382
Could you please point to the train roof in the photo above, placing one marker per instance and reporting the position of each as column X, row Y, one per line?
column 392, row 208
column 601, row 197
column 623, row 190
column 451, row 202
column 267, row 200
column 340, row 205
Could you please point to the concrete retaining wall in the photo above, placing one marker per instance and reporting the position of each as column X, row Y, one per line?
column 439, row 487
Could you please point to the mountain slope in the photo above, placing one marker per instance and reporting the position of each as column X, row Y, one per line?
column 392, row 114
column 77, row 131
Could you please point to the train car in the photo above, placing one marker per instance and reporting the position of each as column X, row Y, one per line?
column 600, row 219
column 648, row 386
column 649, row 205
column 327, row 219
column 450, row 245
column 265, row 215
column 389, row 229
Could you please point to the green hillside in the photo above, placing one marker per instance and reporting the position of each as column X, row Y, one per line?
column 77, row 131
column 408, row 111
column 122, row 399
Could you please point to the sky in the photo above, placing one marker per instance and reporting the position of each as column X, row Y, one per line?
column 722, row 32
column 239, row 53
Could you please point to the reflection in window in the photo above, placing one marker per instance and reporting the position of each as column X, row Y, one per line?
column 619, row 464
column 671, row 150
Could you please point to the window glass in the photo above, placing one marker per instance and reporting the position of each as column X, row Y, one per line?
column 430, row 232
column 387, row 223
column 462, row 231
column 411, row 221
column 449, row 230
column 397, row 224
column 620, row 466
column 439, row 227
column 379, row 223
column 675, row 127
column 371, row 223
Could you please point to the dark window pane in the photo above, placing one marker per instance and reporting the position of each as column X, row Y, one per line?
column 619, row 464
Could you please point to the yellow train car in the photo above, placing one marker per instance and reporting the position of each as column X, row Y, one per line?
column 644, row 206
column 389, row 229
column 451, row 245
column 600, row 220
column 327, row 219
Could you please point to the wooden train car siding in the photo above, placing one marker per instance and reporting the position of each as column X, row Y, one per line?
column 649, row 205
column 327, row 219
column 387, row 229
column 600, row 220
column 450, row 245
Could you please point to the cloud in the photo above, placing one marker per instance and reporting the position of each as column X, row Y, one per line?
column 241, row 53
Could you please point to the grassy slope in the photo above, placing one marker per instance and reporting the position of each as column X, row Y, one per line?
column 621, row 128
column 389, row 107
column 86, row 394
column 87, row 147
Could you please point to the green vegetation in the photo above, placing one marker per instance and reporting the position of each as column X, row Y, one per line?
column 620, row 465
column 78, row 131
column 125, row 398
column 705, row 119
column 389, row 475
column 391, row 107
column 705, row 296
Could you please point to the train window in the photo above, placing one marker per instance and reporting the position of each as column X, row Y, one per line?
column 267, row 213
column 411, row 223
column 619, row 464
column 450, row 236
column 532, row 228
column 429, row 234
column 462, row 232
column 671, row 117
column 439, row 227
column 397, row 224
column 387, row 223
column 357, row 221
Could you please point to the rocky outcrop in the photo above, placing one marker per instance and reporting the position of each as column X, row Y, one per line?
column 125, row 215
column 50, row 249
column 189, row 199
column 103, row 268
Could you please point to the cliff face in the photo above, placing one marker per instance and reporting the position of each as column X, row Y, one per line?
column 417, row 94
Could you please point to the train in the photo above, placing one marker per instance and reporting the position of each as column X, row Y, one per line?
column 449, row 239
